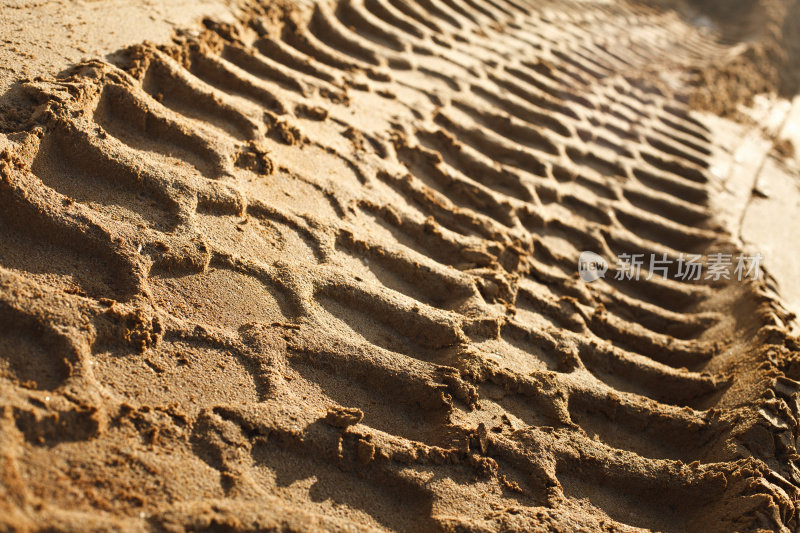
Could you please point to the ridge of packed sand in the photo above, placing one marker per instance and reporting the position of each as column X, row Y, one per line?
column 314, row 268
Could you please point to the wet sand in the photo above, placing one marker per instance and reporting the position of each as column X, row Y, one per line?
column 313, row 267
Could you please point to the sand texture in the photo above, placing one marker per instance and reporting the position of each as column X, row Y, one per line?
column 315, row 270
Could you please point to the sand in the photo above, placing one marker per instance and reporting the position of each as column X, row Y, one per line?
column 766, row 34
column 312, row 267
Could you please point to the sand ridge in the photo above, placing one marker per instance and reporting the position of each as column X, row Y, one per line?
column 316, row 270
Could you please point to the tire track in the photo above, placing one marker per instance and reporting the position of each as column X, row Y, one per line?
column 365, row 217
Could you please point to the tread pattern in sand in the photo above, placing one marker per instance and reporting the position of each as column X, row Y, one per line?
column 295, row 271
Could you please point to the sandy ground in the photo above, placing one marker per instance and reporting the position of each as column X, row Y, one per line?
column 756, row 187
column 772, row 218
column 313, row 267
column 43, row 38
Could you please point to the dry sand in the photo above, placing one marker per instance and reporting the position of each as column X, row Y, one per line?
column 313, row 267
